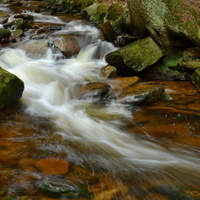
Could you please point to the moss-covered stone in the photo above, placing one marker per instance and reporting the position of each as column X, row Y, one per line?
column 16, row 3
column 166, row 20
column 22, row 24
column 102, row 11
column 115, row 11
column 196, row 78
column 11, row 88
column 137, row 55
column 4, row 33
column 2, row 192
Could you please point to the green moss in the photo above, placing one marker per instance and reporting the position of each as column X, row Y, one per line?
column 101, row 13
column 11, row 88
column 86, row 3
column 4, row 33
column 196, row 78
column 114, row 12
column 137, row 55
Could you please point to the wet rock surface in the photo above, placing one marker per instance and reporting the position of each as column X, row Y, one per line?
column 35, row 48
column 141, row 94
column 11, row 88
column 138, row 55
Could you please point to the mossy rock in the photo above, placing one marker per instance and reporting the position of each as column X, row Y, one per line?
column 18, row 33
column 166, row 21
column 96, row 12
column 2, row 192
column 11, row 88
column 196, row 78
column 162, row 72
column 102, row 11
column 22, row 24
column 137, row 55
column 4, row 33
column 16, row 3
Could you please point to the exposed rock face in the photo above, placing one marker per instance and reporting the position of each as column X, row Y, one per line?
column 108, row 71
column 166, row 20
column 96, row 90
column 11, row 88
column 68, row 45
column 137, row 55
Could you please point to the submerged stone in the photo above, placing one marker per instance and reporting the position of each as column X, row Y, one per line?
column 11, row 88
column 53, row 188
column 52, row 166
column 137, row 55
column 178, row 192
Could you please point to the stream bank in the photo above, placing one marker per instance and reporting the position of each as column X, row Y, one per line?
column 71, row 136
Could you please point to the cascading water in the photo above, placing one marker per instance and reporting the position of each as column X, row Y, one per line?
column 48, row 93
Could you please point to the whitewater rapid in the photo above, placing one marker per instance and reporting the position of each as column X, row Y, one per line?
column 49, row 85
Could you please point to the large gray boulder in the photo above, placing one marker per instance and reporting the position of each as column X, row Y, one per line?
column 137, row 55
column 166, row 20
column 11, row 88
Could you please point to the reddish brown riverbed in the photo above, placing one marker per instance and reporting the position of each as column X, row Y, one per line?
column 31, row 154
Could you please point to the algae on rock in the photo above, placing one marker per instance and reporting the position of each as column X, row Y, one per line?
column 137, row 55
column 11, row 88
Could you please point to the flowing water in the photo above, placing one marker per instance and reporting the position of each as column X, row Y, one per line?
column 104, row 136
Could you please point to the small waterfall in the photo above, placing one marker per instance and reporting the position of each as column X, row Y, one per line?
column 48, row 88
